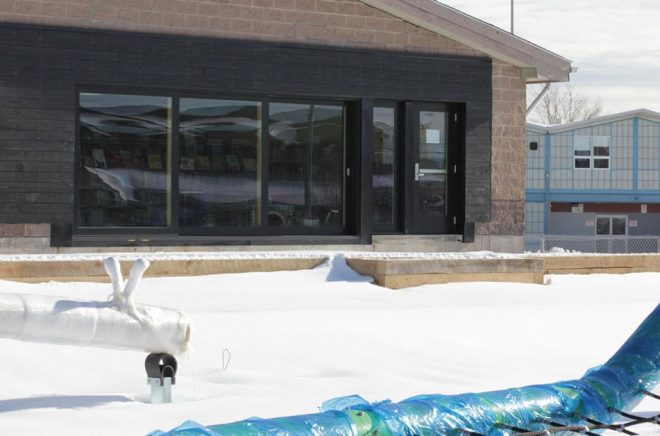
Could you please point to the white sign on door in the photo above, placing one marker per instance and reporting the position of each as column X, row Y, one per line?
column 433, row 136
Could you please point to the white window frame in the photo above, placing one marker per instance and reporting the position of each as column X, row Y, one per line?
column 589, row 143
column 601, row 142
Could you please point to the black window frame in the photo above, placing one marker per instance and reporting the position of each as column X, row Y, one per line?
column 134, row 232
column 351, row 147
column 345, row 228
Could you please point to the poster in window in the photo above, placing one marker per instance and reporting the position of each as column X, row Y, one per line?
column 99, row 158
column 155, row 162
column 187, row 163
column 432, row 136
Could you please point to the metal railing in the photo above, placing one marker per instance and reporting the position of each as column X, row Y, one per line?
column 592, row 244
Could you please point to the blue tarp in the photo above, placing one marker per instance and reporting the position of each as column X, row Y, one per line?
column 617, row 384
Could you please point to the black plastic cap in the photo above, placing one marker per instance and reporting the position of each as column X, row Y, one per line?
column 161, row 365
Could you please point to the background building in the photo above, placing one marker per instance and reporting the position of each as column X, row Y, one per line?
column 324, row 122
column 598, row 178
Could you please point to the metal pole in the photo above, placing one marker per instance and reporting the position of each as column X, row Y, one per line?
column 511, row 16
column 539, row 97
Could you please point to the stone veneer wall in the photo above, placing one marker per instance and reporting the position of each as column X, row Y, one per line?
column 328, row 22
column 508, row 153
column 348, row 23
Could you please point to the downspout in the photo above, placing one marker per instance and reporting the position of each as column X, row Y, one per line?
column 539, row 97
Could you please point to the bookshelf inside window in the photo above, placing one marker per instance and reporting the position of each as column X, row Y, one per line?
column 219, row 165
column 125, row 144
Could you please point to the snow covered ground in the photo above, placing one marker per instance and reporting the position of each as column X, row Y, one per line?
column 299, row 338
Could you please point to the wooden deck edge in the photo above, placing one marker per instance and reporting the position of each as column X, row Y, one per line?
column 411, row 280
column 93, row 270
column 402, row 273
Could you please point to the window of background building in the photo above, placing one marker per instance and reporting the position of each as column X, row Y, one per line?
column 601, row 149
column 611, row 225
column 582, row 152
column 591, row 152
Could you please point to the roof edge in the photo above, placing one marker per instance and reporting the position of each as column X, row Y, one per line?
column 480, row 35
column 646, row 114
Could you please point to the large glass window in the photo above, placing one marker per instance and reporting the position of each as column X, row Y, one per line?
column 125, row 161
column 306, row 164
column 220, row 163
column 384, row 148
column 223, row 163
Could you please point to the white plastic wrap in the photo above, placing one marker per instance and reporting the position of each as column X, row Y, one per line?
column 119, row 323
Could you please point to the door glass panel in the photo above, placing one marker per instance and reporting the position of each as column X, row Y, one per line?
column 433, row 140
column 603, row 226
column 220, row 155
column 125, row 161
column 384, row 143
column 306, row 165
column 432, row 188
column 618, row 225
column 432, row 169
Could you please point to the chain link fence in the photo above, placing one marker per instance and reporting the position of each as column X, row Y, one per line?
column 592, row 244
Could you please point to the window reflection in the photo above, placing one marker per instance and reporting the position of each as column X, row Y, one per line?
column 432, row 189
column 125, row 152
column 220, row 157
column 306, row 165
column 384, row 140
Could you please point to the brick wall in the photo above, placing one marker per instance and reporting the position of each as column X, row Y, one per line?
column 330, row 22
column 508, row 153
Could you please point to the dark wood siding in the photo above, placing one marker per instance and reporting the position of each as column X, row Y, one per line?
column 42, row 67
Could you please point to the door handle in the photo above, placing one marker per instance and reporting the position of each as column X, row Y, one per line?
column 417, row 173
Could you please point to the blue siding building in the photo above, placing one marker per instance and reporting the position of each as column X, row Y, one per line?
column 599, row 177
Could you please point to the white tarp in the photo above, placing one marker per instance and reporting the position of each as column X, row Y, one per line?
column 119, row 323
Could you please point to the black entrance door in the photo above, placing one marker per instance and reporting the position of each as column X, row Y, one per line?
column 434, row 167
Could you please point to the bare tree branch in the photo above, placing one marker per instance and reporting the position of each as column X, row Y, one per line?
column 563, row 104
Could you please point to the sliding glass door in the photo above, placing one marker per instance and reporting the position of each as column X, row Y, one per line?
column 306, row 165
column 220, row 163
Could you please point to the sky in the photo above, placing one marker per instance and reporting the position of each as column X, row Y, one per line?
column 614, row 44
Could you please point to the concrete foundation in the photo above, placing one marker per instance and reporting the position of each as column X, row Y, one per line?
column 380, row 243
